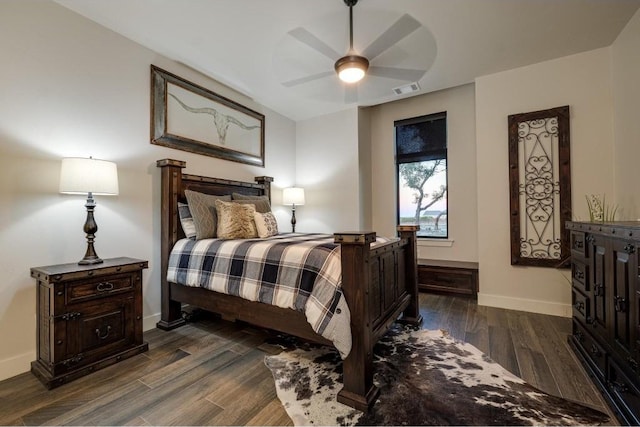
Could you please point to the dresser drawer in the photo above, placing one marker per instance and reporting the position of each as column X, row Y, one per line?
column 579, row 244
column 628, row 395
column 580, row 275
column 581, row 306
column 596, row 355
column 98, row 287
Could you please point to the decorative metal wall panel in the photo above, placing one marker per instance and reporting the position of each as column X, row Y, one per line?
column 540, row 187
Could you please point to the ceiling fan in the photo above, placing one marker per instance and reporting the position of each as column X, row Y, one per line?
column 354, row 66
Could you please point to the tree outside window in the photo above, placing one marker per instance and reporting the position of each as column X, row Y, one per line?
column 421, row 160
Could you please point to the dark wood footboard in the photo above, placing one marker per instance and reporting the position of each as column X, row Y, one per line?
column 379, row 283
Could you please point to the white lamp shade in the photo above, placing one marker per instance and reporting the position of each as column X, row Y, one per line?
column 293, row 196
column 82, row 176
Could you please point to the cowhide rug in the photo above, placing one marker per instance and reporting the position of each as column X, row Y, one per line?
column 425, row 378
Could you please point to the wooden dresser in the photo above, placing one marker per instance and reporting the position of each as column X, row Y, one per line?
column 606, row 300
column 89, row 317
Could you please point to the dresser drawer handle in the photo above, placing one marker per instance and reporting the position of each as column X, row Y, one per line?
column 598, row 290
column 104, row 287
column 578, row 244
column 579, row 274
column 620, row 304
column 106, row 334
column 619, row 387
column 595, row 352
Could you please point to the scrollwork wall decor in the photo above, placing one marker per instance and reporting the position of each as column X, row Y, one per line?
column 540, row 187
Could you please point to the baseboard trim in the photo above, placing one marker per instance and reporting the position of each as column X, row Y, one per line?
column 16, row 365
column 531, row 306
column 149, row 322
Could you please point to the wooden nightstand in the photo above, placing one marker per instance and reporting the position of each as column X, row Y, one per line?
column 89, row 317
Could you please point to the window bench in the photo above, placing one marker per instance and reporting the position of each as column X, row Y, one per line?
column 452, row 277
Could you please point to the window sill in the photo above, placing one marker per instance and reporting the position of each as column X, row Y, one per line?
column 441, row 243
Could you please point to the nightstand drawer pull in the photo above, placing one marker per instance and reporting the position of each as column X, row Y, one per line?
column 106, row 334
column 104, row 287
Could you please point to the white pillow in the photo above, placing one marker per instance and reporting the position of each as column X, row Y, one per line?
column 266, row 224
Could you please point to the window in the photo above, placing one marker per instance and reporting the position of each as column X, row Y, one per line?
column 421, row 166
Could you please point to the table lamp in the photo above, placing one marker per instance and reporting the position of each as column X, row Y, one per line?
column 293, row 196
column 91, row 177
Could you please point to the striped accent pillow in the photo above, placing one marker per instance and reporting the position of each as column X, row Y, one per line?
column 186, row 220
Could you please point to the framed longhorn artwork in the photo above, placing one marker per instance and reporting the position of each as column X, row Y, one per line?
column 189, row 117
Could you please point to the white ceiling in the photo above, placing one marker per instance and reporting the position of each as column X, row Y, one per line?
column 246, row 44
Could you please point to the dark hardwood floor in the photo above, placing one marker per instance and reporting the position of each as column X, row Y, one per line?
column 212, row 372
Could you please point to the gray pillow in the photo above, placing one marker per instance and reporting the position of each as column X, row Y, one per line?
column 203, row 210
column 261, row 202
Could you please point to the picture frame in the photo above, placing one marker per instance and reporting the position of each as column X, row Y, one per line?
column 540, row 187
column 189, row 117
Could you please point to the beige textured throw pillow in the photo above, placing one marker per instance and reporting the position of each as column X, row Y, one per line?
column 235, row 220
column 203, row 210
column 266, row 224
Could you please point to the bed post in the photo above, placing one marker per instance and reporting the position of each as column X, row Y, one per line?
column 265, row 181
column 412, row 313
column 171, row 182
column 359, row 391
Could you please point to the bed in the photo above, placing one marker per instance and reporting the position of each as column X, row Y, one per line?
column 379, row 282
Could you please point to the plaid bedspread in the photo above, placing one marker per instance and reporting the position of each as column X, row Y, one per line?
column 297, row 271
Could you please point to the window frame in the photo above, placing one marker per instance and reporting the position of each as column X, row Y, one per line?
column 426, row 155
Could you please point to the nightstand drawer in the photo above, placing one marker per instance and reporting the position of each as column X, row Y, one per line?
column 98, row 287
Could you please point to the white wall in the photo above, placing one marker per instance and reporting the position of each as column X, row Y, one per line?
column 69, row 87
column 327, row 167
column 626, row 90
column 460, row 107
column 581, row 81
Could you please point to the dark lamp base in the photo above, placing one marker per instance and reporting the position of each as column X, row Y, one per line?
column 90, row 261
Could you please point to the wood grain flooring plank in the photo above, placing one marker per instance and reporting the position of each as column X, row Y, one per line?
column 501, row 347
column 131, row 404
column 271, row 415
column 576, row 385
column 88, row 388
column 137, row 421
column 190, row 406
column 455, row 320
column 259, row 394
column 476, row 330
column 534, row 367
column 432, row 307
column 92, row 412
column 234, row 379
column 23, row 405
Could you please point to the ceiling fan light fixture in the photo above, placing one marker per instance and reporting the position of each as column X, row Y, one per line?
column 352, row 68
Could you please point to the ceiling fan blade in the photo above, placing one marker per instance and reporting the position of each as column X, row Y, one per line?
column 351, row 94
column 399, row 30
column 315, row 43
column 397, row 73
column 307, row 79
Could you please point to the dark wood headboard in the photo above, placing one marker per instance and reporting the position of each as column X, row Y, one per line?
column 173, row 184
